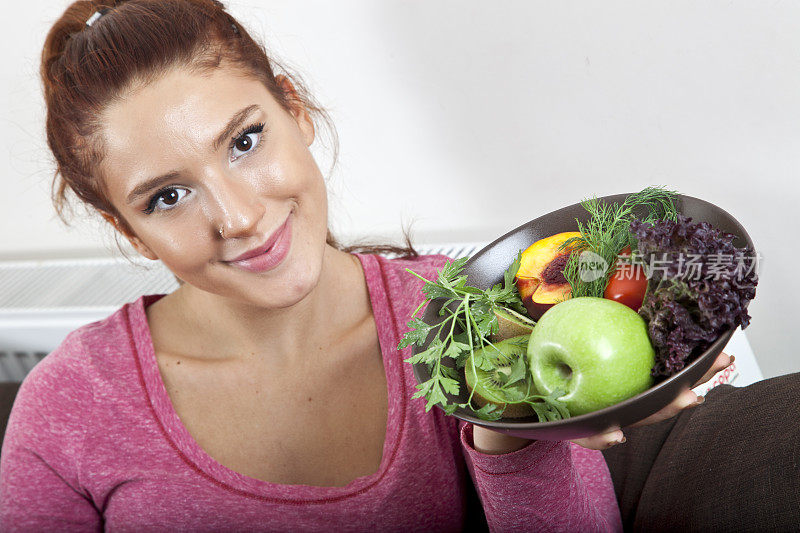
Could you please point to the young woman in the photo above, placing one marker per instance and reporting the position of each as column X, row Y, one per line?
column 267, row 392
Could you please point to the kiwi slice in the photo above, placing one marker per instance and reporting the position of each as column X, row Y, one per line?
column 511, row 324
column 494, row 386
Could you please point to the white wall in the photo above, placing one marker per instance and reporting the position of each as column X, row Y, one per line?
column 472, row 117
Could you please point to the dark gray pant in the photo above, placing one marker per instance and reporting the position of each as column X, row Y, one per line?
column 730, row 464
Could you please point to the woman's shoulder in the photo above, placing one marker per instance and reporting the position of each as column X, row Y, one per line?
column 52, row 408
column 425, row 261
column 395, row 284
column 56, row 406
column 66, row 375
column 399, row 273
column 91, row 345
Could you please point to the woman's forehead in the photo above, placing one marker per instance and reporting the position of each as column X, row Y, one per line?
column 181, row 95
column 180, row 114
column 180, row 103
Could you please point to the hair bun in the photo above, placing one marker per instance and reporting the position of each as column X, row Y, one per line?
column 72, row 22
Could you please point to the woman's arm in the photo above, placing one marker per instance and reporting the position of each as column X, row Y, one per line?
column 40, row 489
column 541, row 485
column 35, row 497
column 517, row 478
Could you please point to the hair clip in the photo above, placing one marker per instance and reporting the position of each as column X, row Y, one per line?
column 97, row 14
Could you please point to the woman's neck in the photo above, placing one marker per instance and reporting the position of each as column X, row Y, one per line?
column 204, row 325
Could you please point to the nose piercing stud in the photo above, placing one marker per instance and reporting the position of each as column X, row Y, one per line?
column 222, row 232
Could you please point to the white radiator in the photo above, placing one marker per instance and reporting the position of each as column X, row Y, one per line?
column 42, row 301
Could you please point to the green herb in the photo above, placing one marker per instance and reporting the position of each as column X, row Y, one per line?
column 608, row 232
column 469, row 322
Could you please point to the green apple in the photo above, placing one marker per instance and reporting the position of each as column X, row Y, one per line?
column 597, row 350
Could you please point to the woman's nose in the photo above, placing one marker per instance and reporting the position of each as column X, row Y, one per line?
column 238, row 209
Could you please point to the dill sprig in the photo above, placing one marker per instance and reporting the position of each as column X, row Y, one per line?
column 608, row 231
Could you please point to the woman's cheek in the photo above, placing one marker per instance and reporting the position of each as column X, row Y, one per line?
column 185, row 248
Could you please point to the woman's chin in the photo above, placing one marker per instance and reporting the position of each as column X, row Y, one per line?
column 289, row 295
column 284, row 286
column 282, row 292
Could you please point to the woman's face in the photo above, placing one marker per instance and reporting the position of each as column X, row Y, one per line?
column 215, row 179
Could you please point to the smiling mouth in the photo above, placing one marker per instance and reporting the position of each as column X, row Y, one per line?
column 268, row 255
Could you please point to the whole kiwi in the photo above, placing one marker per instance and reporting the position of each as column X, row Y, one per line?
column 488, row 387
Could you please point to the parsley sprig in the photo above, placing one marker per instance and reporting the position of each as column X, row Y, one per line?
column 468, row 324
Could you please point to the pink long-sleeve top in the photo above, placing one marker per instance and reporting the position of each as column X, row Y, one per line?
column 93, row 443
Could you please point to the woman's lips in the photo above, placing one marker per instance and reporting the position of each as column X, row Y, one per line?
column 270, row 254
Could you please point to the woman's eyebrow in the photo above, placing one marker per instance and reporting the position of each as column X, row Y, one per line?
column 235, row 121
column 148, row 184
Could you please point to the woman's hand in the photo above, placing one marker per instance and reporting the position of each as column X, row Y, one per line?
column 494, row 443
column 685, row 400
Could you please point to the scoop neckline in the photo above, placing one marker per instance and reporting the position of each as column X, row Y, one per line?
column 201, row 462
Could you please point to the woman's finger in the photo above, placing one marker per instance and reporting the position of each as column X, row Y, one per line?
column 685, row 399
column 602, row 441
column 722, row 362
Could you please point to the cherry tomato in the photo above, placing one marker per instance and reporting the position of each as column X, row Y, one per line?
column 627, row 285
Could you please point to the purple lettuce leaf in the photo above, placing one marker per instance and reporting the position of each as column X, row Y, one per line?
column 688, row 307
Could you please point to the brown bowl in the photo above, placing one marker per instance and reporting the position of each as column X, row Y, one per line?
column 486, row 268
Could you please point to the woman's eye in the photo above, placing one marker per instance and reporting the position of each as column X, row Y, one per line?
column 166, row 199
column 246, row 141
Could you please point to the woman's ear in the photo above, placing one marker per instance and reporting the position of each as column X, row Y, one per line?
column 121, row 227
column 298, row 110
